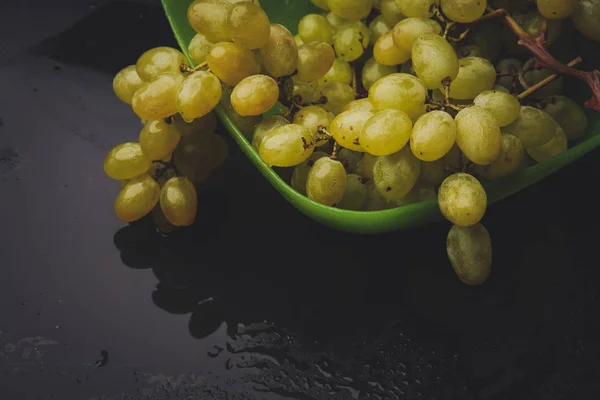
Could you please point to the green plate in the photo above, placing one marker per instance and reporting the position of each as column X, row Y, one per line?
column 288, row 13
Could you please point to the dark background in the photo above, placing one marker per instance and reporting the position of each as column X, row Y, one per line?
column 255, row 300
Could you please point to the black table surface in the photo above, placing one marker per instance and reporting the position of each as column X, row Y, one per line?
column 255, row 301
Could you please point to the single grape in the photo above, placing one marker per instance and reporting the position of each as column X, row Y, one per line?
column 510, row 66
column 335, row 96
column 359, row 105
column 351, row 9
column 199, row 48
column 126, row 161
column 365, row 166
column 391, row 12
column 246, row 125
column 126, row 83
column 315, row 28
column 568, row 114
column 231, row 63
column 159, row 139
column 137, row 198
column 534, row 75
column 499, row 88
column 375, row 201
column 475, row 75
column 532, row 23
column 287, row 146
column 378, row 27
column 161, row 223
column 349, row 159
column 335, row 20
column 179, row 201
column 556, row 145
column 387, row 53
column 503, row 106
column 433, row 136
column 209, row 17
column 321, row 4
column 555, row 9
column 511, row 155
column 408, row 30
column 300, row 174
column 463, row 11
column 159, row 60
column 462, row 199
column 199, row 126
column 248, row 25
column 280, row 54
column 313, row 118
column 586, row 14
column 198, row 95
column 340, row 71
column 417, row 194
column 399, row 91
column 326, row 182
column 534, row 127
column 351, row 40
column 157, row 98
column 267, row 125
column 197, row 156
column 470, row 253
column 478, row 135
column 417, row 8
column 485, row 37
column 314, row 61
column 395, row 175
column 298, row 40
column 433, row 173
column 386, row 132
column 254, row 95
column 434, row 60
column 347, row 127
column 355, row 195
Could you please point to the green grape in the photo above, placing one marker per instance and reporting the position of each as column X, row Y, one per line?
column 556, row 145
column 387, row 53
column 568, row 114
column 433, row 172
column 386, row 132
column 157, row 98
column 137, row 198
column 347, row 127
column 470, row 50
column 300, row 174
column 351, row 9
column 254, row 95
column 326, row 182
column 475, row 75
column 499, row 88
column 511, row 155
column 536, row 75
column 372, row 71
column 315, row 28
column 246, row 125
column 287, row 146
column 209, row 17
column 126, row 83
column 532, row 23
column 359, row 105
column 335, row 20
column 378, row 27
column 391, row 12
column 197, row 156
column 462, row 199
column 314, row 61
column 417, row 194
column 161, row 223
column 232, row 63
column 126, row 161
column 555, row 9
column 434, row 60
column 408, row 30
column 159, row 139
column 350, row 159
column 433, row 136
column 340, row 71
column 280, row 54
column 470, row 253
column 298, row 40
column 179, row 201
column 321, row 4
column 313, row 118
column 453, row 159
column 478, row 135
column 534, row 127
column 395, row 175
column 267, row 125
column 399, row 91
column 336, row 95
column 365, row 166
column 305, row 92
column 464, row 11
column 417, row 8
column 508, row 66
column 375, row 201
column 199, row 126
column 503, row 106
column 485, row 37
column 586, row 15
column 351, row 40
column 199, row 94
column 355, row 195
column 159, row 60
column 248, row 25
column 199, row 48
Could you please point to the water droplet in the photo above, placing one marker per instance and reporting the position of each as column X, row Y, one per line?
column 228, row 364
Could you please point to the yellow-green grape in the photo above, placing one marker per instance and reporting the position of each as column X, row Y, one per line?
column 326, row 181
column 536, row 75
column 315, row 28
column 387, row 53
column 486, row 39
column 161, row 223
column 280, row 54
column 287, row 146
column 378, row 27
column 408, row 30
column 126, row 83
column 399, row 91
column 314, row 61
column 508, row 66
column 355, row 195
column 209, row 17
column 254, row 95
column 199, row 126
column 462, row 199
column 137, row 198
column 347, row 127
column 313, row 118
column 511, row 155
column 568, row 114
column 365, row 166
column 194, row 156
column 417, row 194
column 478, row 135
column 433, row 136
column 503, row 106
column 470, row 50
column 298, row 40
column 417, row 8
column 335, row 20
column 534, row 127
column 351, row 40
column 159, row 139
column 391, row 12
column 433, row 172
column 556, row 145
column 372, row 71
column 375, row 201
column 199, row 48
column 470, row 253
column 157, row 98
column 499, row 88
column 336, row 95
column 350, row 159
column 199, row 94
column 179, row 201
column 248, row 25
column 267, row 125
column 321, row 4
column 305, row 92
column 434, row 60
column 126, row 161
column 340, row 71
column 246, row 125
column 453, row 159
column 359, row 105
column 351, row 9
column 475, row 75
column 300, row 174
column 464, row 11
column 586, row 15
column 555, row 9
column 231, row 63
column 386, row 132
column 395, row 175
column 159, row 60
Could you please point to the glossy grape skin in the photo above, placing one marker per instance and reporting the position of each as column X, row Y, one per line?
column 159, row 139
column 378, row 27
column 351, row 10
column 555, row 146
column 399, row 91
column 335, row 20
column 126, row 161
column 209, row 17
column 179, row 201
column 387, row 53
column 199, row 48
column 568, row 114
column 157, row 98
column 434, row 59
column 555, row 9
column 503, row 106
column 475, row 75
column 395, row 175
column 255, row 95
column 351, row 40
column 586, row 15
column 159, row 60
column 386, row 132
column 463, row 11
column 417, row 8
column 246, row 125
column 232, row 63
column 137, row 198
column 248, row 25
column 478, row 135
column 359, row 105
column 470, row 253
column 280, row 54
column 355, row 195
column 322, row 4
column 462, row 199
column 336, row 96
column 300, row 173
column 433, row 136
column 391, row 12
column 315, row 28
column 313, row 118
column 340, row 71
column 199, row 94
column 347, row 127
column 126, row 83
column 373, row 71
column 199, row 126
column 511, row 155
column 408, row 30
column 267, row 125
column 365, row 166
column 287, row 146
column 350, row 159
column 314, row 61
column 375, row 201
column 533, row 127
column 326, row 181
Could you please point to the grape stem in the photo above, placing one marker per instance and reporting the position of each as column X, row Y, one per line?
column 546, row 81
column 187, row 68
column 334, row 152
